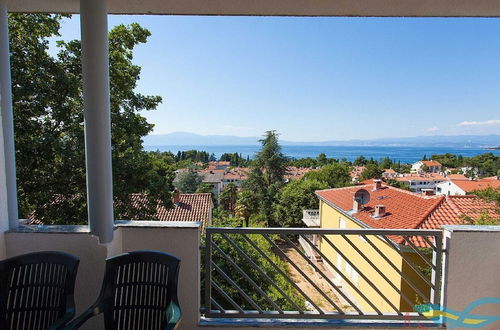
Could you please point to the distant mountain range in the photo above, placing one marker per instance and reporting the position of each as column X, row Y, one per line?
column 461, row 141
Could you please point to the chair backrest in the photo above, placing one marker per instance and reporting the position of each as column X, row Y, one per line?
column 137, row 288
column 36, row 289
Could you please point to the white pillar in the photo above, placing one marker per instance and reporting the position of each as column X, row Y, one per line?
column 95, row 66
column 7, row 119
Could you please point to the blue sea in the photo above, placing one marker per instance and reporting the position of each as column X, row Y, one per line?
column 396, row 153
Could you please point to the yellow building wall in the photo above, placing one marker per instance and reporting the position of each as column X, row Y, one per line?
column 357, row 286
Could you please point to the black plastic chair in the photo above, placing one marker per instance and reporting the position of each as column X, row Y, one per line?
column 36, row 290
column 139, row 291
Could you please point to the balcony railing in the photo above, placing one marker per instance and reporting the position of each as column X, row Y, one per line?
column 311, row 218
column 362, row 274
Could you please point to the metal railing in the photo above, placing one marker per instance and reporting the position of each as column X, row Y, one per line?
column 363, row 274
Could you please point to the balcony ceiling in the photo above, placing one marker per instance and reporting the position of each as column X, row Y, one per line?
column 425, row 8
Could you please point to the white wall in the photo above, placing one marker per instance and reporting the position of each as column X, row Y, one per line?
column 448, row 188
column 472, row 268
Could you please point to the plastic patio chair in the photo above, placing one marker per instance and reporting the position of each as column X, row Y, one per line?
column 139, row 291
column 36, row 290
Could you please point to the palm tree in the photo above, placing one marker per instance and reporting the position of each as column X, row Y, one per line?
column 228, row 197
column 246, row 205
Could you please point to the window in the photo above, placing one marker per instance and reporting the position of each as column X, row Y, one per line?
column 342, row 224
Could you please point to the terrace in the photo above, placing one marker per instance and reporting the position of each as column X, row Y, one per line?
column 464, row 259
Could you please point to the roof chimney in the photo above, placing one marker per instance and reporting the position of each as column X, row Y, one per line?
column 428, row 192
column 377, row 184
column 176, row 196
column 356, row 206
column 379, row 211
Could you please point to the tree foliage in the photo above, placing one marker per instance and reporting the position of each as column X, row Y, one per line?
column 228, row 197
column 254, row 270
column 235, row 159
column 296, row 196
column 246, row 206
column 334, row 175
column 267, row 174
column 48, row 116
column 188, row 182
column 372, row 171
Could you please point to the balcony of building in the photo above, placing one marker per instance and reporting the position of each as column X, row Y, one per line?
column 466, row 259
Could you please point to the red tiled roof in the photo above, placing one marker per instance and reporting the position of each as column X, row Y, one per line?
column 297, row 172
column 457, row 177
column 404, row 209
column 431, row 163
column 422, row 177
column 470, row 185
column 450, row 211
column 239, row 173
column 407, row 210
column 191, row 207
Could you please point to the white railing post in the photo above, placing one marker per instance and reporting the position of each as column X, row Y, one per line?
column 7, row 119
column 96, row 97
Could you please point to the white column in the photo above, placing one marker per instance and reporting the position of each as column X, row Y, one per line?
column 95, row 66
column 9, row 154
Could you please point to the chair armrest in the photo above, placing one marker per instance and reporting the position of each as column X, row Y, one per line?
column 173, row 315
column 61, row 322
column 80, row 320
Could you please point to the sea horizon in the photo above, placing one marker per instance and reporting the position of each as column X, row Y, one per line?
column 404, row 154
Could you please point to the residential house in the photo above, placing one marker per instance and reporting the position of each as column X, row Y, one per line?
column 218, row 165
column 461, row 185
column 387, row 208
column 236, row 176
column 428, row 166
column 423, row 181
column 213, row 178
column 356, row 173
column 390, row 174
column 296, row 173
column 187, row 208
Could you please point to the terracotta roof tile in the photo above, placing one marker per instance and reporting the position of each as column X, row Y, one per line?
column 422, row 177
column 470, row 185
column 407, row 210
column 191, row 207
column 431, row 163
column 404, row 209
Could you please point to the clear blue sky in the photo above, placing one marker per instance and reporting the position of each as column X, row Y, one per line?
column 314, row 79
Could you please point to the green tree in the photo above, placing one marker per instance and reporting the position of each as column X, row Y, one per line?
column 246, row 205
column 205, row 188
column 360, row 161
column 48, row 110
column 228, row 197
column 371, row 171
column 484, row 219
column 385, row 163
column 254, row 270
column 322, row 159
column 188, row 181
column 489, row 194
column 295, row 197
column 397, row 184
column 333, row 175
column 267, row 174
